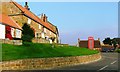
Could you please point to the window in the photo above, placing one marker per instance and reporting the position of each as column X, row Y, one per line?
column 45, row 30
column 39, row 26
column 2, row 31
column 29, row 21
column 17, row 33
column 12, row 32
column 37, row 34
column 42, row 34
column 50, row 33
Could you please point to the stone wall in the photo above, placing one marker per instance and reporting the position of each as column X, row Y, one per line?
column 48, row 63
column 14, row 42
column 40, row 40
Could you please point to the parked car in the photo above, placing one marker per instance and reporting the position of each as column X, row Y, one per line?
column 108, row 49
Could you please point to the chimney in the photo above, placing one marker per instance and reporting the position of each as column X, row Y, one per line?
column 26, row 6
column 44, row 18
column 78, row 39
column 98, row 39
column 78, row 45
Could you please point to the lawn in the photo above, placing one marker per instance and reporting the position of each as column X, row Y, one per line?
column 118, row 50
column 35, row 50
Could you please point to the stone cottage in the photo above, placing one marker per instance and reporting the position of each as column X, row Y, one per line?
column 9, row 28
column 44, row 30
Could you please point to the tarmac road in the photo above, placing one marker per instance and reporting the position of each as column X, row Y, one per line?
column 109, row 62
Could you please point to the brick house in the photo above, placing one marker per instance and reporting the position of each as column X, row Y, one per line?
column 42, row 27
column 8, row 28
column 84, row 44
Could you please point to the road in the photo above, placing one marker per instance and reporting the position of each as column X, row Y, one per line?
column 109, row 61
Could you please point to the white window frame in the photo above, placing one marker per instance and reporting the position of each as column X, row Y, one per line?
column 45, row 30
column 18, row 33
column 40, row 26
column 29, row 21
column 50, row 33
column 42, row 35
column 2, row 31
column 12, row 32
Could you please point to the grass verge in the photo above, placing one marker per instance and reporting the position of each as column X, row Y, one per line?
column 35, row 50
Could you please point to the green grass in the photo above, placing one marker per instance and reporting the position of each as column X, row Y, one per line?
column 118, row 50
column 34, row 50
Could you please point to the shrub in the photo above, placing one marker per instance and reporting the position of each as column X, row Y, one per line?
column 28, row 33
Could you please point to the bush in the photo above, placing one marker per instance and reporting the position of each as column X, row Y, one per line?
column 118, row 50
column 28, row 33
column 26, row 44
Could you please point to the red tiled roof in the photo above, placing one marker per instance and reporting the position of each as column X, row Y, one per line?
column 5, row 19
column 52, row 26
column 33, row 16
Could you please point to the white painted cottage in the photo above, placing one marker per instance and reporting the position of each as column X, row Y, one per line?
column 9, row 28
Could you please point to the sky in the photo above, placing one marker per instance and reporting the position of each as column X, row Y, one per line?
column 80, row 19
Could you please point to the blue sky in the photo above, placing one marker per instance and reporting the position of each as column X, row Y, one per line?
column 80, row 19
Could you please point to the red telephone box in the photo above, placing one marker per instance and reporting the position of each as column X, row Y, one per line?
column 90, row 42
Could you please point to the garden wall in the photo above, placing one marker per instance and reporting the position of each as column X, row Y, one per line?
column 40, row 40
column 19, row 42
column 48, row 63
column 14, row 42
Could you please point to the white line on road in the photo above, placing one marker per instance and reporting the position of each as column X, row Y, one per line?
column 114, row 62
column 103, row 68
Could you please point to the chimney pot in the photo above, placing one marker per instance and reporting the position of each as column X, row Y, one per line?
column 78, row 39
column 26, row 3
column 98, row 39
column 44, row 18
column 26, row 6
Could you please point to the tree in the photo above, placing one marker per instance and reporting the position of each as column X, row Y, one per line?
column 107, row 41
column 113, row 41
column 27, row 33
column 116, row 41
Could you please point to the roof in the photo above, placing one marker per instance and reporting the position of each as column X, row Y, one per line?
column 53, row 27
column 5, row 19
column 33, row 16
column 84, row 43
